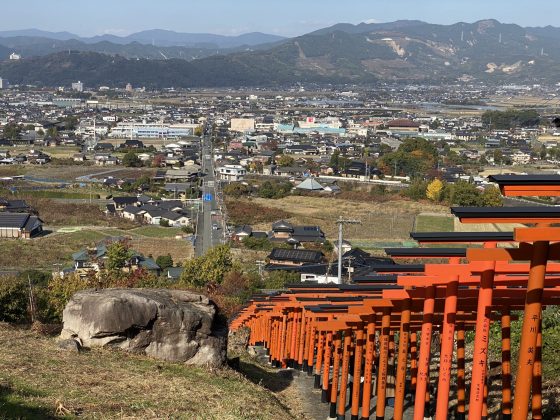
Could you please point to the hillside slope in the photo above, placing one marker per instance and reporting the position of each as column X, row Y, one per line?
column 407, row 51
column 39, row 381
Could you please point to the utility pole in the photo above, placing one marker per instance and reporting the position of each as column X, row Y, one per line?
column 32, row 308
column 260, row 266
column 341, row 222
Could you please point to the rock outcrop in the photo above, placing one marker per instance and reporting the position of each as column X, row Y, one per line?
column 172, row 325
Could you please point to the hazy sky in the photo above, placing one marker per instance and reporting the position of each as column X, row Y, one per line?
column 284, row 17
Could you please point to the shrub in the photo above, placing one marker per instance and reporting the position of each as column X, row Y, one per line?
column 164, row 261
column 14, row 298
column 277, row 279
column 275, row 189
column 187, row 229
column 207, row 269
column 259, row 244
column 416, row 190
column 237, row 189
column 246, row 213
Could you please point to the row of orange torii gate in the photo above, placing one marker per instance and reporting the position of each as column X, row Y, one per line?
column 338, row 331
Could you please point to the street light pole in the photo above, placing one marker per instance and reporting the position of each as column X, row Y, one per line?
column 340, row 222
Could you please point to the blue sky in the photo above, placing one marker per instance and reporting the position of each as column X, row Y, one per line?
column 283, row 17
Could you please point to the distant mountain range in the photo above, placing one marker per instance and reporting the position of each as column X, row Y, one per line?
column 401, row 51
column 154, row 37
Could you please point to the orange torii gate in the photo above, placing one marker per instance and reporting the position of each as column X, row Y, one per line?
column 488, row 274
column 394, row 326
column 538, row 254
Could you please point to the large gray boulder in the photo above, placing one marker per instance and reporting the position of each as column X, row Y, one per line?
column 172, row 325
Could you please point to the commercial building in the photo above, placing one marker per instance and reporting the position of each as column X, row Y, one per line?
column 242, row 125
column 67, row 102
column 152, row 130
column 78, row 86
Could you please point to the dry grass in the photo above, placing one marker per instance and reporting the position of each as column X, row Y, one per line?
column 247, row 212
column 37, row 378
column 391, row 220
column 45, row 253
column 180, row 250
column 69, row 173
column 60, row 213
column 49, row 252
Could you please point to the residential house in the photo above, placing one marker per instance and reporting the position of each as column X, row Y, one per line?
column 38, row 157
column 231, row 173
column 280, row 258
column 19, row 225
column 94, row 260
column 14, row 206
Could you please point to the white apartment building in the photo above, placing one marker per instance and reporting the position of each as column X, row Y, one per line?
column 231, row 172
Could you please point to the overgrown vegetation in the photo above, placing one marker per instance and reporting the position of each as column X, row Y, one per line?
column 274, row 189
column 245, row 213
column 460, row 193
column 414, row 157
column 512, row 118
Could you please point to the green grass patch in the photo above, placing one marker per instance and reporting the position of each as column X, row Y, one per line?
column 59, row 194
column 157, row 231
column 426, row 223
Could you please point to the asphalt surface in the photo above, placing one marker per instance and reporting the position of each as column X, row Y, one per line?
column 207, row 235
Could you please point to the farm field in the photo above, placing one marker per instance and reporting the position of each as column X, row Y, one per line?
column 69, row 173
column 380, row 221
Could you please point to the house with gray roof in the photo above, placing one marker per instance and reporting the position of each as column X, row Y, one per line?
column 19, row 225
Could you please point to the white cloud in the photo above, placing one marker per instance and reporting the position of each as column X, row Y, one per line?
column 371, row 21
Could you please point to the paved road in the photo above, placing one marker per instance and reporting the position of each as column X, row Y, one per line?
column 207, row 236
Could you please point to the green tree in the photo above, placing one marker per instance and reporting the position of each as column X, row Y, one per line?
column 414, row 157
column 334, row 161
column 198, row 131
column 498, row 157
column 285, row 160
column 131, row 160
column 52, row 132
column 491, row 197
column 118, row 254
column 464, row 193
column 71, row 122
column 416, row 190
column 505, row 120
column 12, row 131
column 274, row 189
column 164, row 261
column 208, row 268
